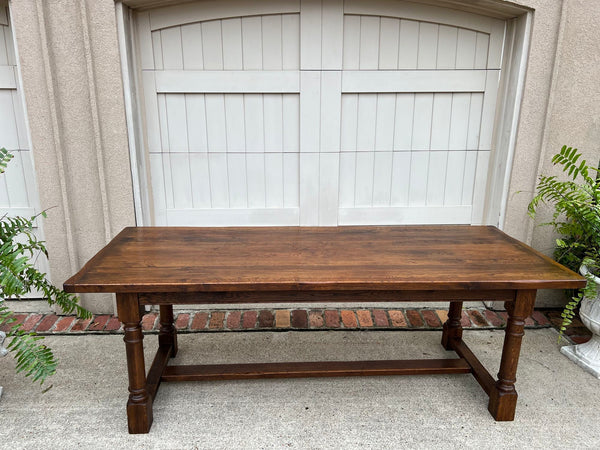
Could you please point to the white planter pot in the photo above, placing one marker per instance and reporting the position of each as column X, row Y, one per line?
column 588, row 355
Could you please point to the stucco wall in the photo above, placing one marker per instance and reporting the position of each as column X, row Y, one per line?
column 561, row 105
column 68, row 52
column 71, row 76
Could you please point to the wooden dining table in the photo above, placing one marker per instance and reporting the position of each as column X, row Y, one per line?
column 168, row 266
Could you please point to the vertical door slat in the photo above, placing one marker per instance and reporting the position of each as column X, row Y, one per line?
column 236, row 172
column 273, row 107
column 232, row 44
column 191, row 40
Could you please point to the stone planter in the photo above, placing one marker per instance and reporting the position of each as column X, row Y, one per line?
column 588, row 355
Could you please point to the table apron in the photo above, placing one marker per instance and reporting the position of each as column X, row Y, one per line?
column 362, row 296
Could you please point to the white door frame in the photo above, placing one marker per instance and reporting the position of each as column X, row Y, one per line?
column 514, row 64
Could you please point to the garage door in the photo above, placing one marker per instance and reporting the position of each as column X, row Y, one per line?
column 18, row 195
column 318, row 112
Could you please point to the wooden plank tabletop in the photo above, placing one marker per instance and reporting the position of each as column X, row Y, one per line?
column 447, row 257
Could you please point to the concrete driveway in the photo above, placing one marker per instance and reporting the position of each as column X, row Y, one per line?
column 558, row 404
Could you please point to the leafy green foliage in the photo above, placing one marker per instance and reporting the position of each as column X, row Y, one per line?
column 19, row 248
column 576, row 218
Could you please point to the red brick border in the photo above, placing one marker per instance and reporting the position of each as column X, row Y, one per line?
column 294, row 319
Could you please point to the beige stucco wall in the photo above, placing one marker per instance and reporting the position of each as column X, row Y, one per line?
column 561, row 105
column 71, row 77
column 69, row 58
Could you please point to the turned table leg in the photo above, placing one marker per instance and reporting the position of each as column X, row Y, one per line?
column 139, row 405
column 167, row 336
column 503, row 397
column 452, row 327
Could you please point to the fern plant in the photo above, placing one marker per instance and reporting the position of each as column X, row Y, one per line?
column 19, row 248
column 576, row 218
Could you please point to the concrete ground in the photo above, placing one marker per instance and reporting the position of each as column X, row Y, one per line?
column 558, row 404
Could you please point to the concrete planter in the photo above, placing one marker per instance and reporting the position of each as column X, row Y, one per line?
column 588, row 355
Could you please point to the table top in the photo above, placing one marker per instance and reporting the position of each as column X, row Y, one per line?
column 446, row 257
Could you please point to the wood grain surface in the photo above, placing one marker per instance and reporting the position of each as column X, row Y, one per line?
column 448, row 257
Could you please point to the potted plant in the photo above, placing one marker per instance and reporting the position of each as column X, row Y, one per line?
column 18, row 249
column 576, row 218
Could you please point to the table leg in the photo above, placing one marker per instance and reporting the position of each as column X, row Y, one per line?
column 503, row 398
column 167, row 336
column 139, row 405
column 452, row 327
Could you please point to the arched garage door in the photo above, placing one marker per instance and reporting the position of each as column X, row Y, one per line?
column 318, row 112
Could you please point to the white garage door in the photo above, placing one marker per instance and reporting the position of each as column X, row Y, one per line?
column 318, row 112
column 18, row 195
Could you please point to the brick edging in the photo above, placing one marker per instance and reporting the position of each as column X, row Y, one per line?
column 284, row 320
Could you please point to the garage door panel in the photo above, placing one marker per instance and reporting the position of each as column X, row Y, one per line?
column 428, row 40
column 273, row 167
column 177, row 122
column 217, row 9
column 201, row 180
column 332, row 29
column 408, row 52
column 216, row 126
column 436, row 178
column 447, row 40
column 255, row 164
column 291, row 121
column 182, row 180
column 419, row 167
column 385, row 43
column 421, row 122
column 440, row 121
column 219, row 180
column 400, row 173
column 225, row 180
column 382, row 181
column 351, row 47
column 248, row 43
column 227, row 123
column 385, row 127
column 402, row 122
column 469, row 177
column 271, row 42
column 420, row 12
column 347, row 177
column 367, row 122
column 363, row 193
column 273, row 122
column 349, row 122
column 475, row 118
column 389, row 41
column 455, row 178
column 191, row 46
